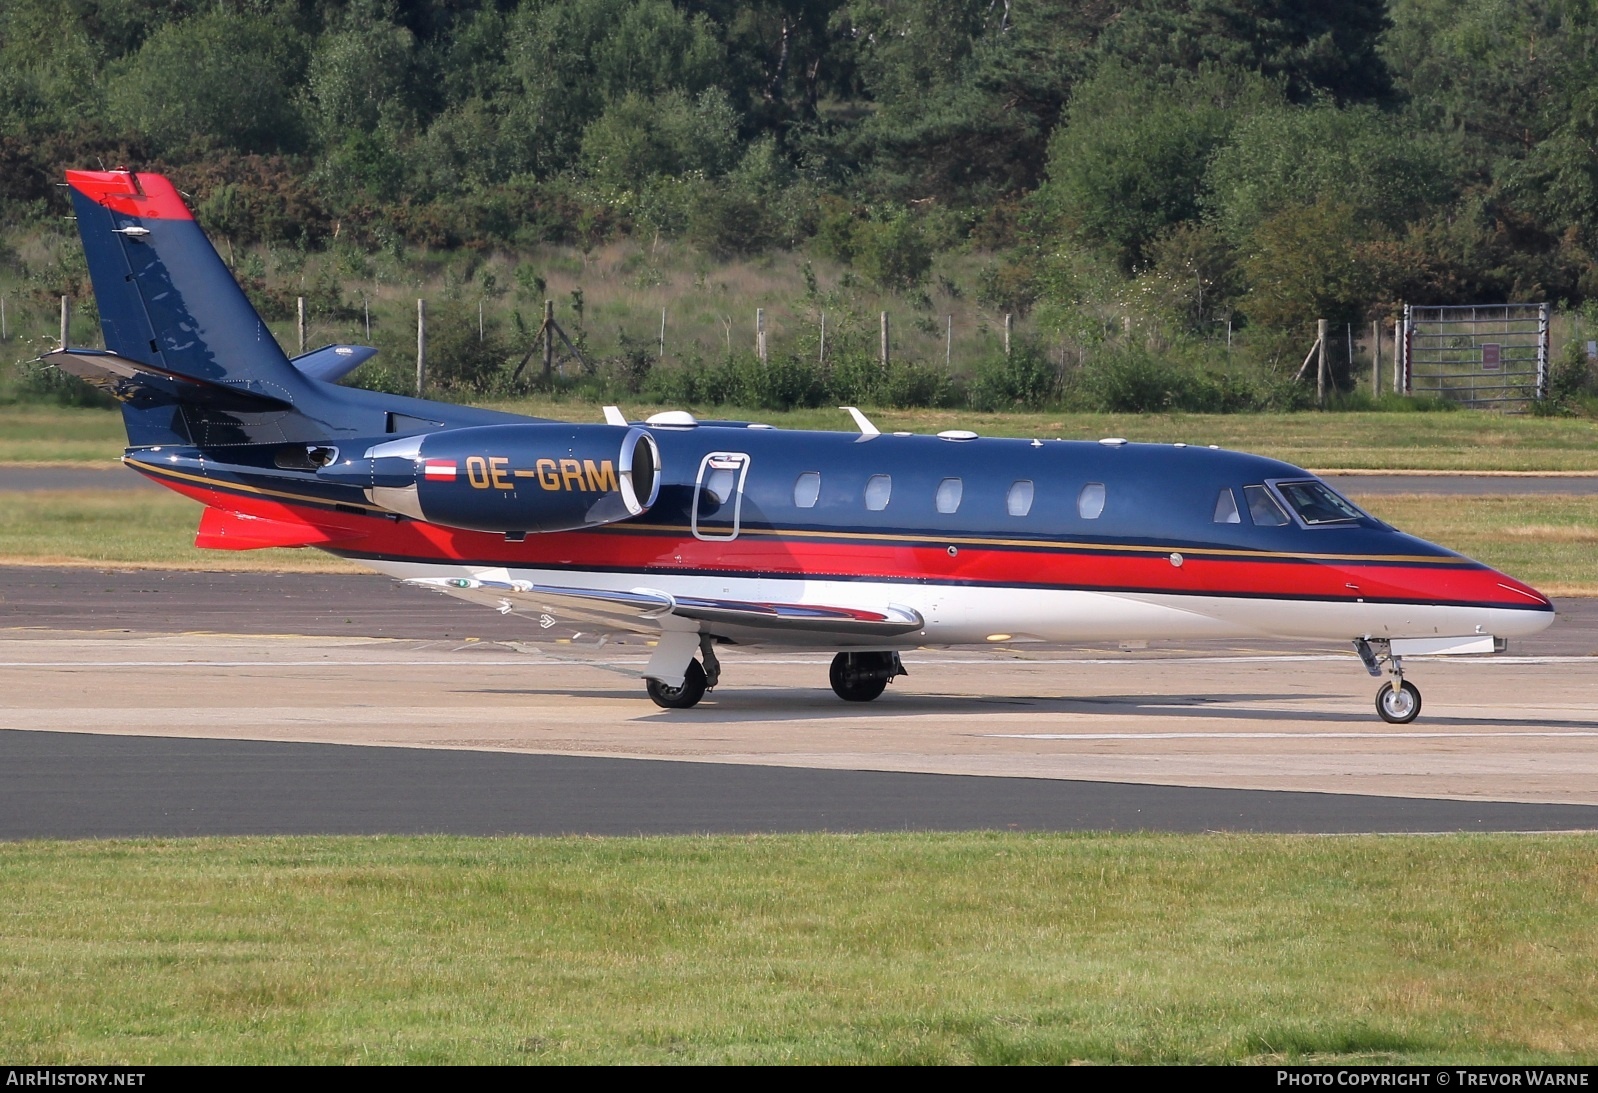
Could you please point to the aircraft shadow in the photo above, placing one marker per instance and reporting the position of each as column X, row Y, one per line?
column 815, row 705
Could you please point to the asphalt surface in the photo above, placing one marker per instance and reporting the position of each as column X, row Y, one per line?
column 73, row 785
column 27, row 479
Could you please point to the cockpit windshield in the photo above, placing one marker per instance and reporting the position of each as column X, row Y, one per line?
column 1316, row 503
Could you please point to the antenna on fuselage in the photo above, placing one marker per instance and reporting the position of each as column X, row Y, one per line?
column 614, row 416
column 867, row 429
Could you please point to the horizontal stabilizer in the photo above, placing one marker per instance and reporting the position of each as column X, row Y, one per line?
column 224, row 530
column 128, row 380
column 332, row 363
column 641, row 609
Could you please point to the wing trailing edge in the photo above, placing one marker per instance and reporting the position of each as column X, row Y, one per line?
column 641, row 610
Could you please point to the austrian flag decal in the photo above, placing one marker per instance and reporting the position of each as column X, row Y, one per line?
column 439, row 470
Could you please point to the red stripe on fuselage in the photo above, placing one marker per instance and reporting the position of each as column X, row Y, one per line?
column 148, row 196
column 620, row 548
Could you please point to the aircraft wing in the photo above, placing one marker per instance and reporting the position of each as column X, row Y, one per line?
column 641, row 610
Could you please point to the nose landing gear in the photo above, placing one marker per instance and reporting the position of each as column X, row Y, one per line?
column 1398, row 701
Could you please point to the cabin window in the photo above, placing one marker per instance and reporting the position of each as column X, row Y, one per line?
column 1090, row 502
column 1019, row 501
column 949, row 491
column 1316, row 504
column 719, row 485
column 1226, row 507
column 1263, row 509
column 806, row 489
column 878, row 489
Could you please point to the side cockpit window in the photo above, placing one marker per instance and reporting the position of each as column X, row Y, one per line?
column 1316, row 504
column 1263, row 509
column 1226, row 507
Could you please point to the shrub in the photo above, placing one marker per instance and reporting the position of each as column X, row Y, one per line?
column 1023, row 380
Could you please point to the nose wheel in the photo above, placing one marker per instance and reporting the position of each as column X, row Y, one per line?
column 1398, row 702
column 1398, row 705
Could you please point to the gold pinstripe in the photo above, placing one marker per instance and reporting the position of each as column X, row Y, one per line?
column 167, row 472
column 884, row 537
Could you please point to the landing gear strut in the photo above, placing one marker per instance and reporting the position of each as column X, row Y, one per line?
column 1398, row 702
column 860, row 677
column 697, row 678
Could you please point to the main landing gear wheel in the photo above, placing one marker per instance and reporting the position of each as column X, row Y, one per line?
column 1398, row 707
column 679, row 698
column 860, row 677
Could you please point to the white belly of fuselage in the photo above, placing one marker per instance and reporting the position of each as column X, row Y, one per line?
column 964, row 614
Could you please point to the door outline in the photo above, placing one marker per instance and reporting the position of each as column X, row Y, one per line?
column 720, row 461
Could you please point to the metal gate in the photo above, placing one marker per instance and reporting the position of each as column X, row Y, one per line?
column 1490, row 355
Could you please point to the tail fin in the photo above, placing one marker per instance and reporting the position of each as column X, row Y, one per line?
column 169, row 303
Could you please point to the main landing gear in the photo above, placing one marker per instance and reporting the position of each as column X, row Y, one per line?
column 1398, row 702
column 856, row 677
column 697, row 678
column 860, row 677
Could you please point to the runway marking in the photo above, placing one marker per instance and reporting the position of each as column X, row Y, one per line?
column 809, row 658
column 329, row 663
column 1272, row 735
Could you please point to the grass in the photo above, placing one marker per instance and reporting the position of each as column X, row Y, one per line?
column 1549, row 540
column 60, row 435
column 995, row 948
column 146, row 530
column 1462, row 440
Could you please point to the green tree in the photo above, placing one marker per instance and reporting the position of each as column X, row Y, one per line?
column 1129, row 161
column 1290, row 156
column 215, row 80
column 639, row 137
column 1314, row 48
column 962, row 96
column 1302, row 265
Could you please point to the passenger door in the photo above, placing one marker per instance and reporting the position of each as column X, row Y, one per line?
column 719, row 495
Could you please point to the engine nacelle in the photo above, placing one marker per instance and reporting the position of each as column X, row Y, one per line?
column 512, row 479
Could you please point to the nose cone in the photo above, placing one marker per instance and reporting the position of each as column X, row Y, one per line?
column 1532, row 613
column 1495, row 602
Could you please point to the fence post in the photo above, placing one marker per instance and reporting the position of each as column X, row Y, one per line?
column 1542, row 352
column 366, row 304
column 2, row 318
column 760, row 334
column 884, row 349
column 65, row 317
column 1007, row 323
column 662, row 334
column 821, row 357
column 549, row 342
column 1401, row 355
column 421, row 347
column 1376, row 359
column 299, row 320
column 1320, row 364
column 948, row 344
